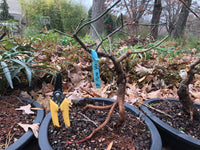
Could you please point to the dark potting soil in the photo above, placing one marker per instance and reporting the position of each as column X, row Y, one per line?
column 179, row 120
column 9, row 119
column 132, row 135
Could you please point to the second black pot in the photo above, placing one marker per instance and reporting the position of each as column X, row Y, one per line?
column 171, row 137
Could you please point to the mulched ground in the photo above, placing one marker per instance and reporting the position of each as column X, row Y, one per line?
column 179, row 120
column 132, row 135
column 9, row 117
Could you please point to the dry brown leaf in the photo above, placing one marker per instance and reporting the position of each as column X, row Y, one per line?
column 26, row 109
column 25, row 94
column 110, row 146
column 143, row 70
column 75, row 77
column 195, row 94
column 45, row 102
column 34, row 127
column 154, row 94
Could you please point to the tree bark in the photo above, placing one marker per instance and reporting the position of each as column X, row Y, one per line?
column 181, row 23
column 156, row 18
column 97, row 9
column 183, row 92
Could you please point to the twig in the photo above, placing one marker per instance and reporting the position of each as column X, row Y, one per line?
column 98, row 16
column 156, row 109
column 100, row 127
column 79, row 25
column 109, row 35
column 88, row 119
column 9, row 137
column 128, row 52
column 90, row 93
column 3, row 35
column 189, row 8
column 97, row 107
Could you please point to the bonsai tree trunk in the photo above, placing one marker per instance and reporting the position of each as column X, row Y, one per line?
column 183, row 91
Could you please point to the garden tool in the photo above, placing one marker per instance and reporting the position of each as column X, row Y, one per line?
column 59, row 102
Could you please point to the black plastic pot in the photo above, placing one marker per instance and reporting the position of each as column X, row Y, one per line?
column 171, row 137
column 155, row 137
column 26, row 138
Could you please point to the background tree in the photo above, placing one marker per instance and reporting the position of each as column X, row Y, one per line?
column 170, row 13
column 97, row 9
column 64, row 14
column 182, row 19
column 156, row 18
column 4, row 15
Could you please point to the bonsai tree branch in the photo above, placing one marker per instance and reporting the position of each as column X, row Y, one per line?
column 105, row 12
column 3, row 35
column 121, row 80
column 183, row 91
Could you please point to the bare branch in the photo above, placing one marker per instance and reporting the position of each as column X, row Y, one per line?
column 78, row 26
column 105, row 12
column 128, row 52
column 189, row 8
column 109, row 35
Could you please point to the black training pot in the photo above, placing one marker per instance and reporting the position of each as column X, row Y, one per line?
column 155, row 137
column 26, row 138
column 171, row 137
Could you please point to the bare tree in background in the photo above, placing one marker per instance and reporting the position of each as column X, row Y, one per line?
column 97, row 9
column 171, row 11
column 133, row 10
column 182, row 19
column 156, row 18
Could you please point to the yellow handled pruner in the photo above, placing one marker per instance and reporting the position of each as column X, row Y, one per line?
column 59, row 102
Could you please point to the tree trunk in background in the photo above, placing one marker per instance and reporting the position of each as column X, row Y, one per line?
column 181, row 23
column 156, row 18
column 97, row 9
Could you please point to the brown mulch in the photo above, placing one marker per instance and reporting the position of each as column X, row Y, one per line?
column 9, row 119
column 132, row 135
column 179, row 120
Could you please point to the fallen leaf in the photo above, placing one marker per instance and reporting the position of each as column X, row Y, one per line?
column 195, row 94
column 143, row 70
column 110, row 146
column 25, row 95
column 34, row 127
column 154, row 94
column 26, row 109
column 141, row 79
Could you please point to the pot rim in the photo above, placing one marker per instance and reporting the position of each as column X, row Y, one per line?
column 28, row 136
column 156, row 143
column 180, row 135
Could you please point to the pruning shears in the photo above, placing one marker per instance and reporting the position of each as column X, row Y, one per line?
column 59, row 102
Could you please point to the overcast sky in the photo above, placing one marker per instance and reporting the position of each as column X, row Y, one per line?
column 86, row 3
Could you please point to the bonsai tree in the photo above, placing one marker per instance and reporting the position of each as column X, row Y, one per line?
column 121, row 76
column 183, row 91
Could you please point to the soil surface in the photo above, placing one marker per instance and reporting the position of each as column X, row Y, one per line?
column 179, row 120
column 132, row 135
column 10, row 131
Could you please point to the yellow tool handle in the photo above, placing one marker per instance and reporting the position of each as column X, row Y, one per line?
column 64, row 107
column 54, row 113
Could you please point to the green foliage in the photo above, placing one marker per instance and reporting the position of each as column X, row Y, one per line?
column 194, row 43
column 109, row 23
column 4, row 15
column 17, row 62
column 66, row 40
column 64, row 15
